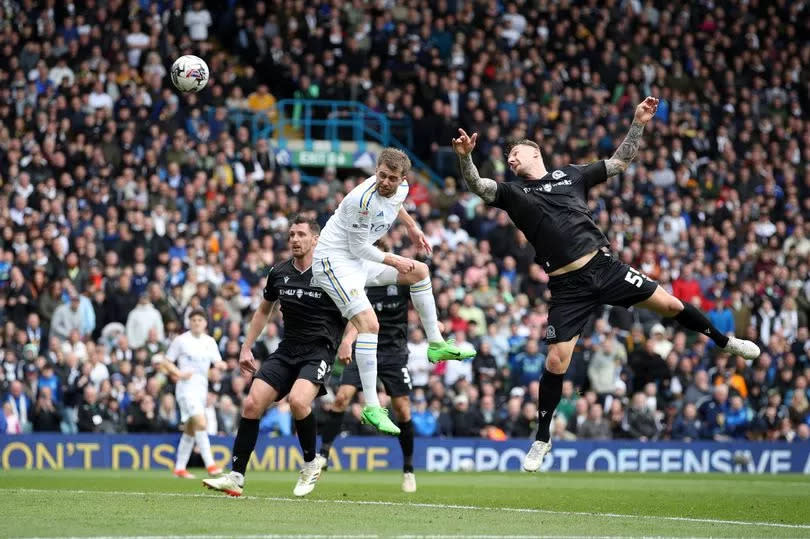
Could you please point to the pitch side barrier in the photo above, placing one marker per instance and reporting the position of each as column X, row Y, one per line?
column 156, row 452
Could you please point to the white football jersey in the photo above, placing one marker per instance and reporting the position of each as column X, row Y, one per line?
column 195, row 354
column 362, row 218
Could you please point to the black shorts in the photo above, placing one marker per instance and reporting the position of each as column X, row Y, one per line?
column 392, row 371
column 289, row 363
column 602, row 281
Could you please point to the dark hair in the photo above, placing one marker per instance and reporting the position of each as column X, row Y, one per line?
column 300, row 219
column 521, row 142
column 197, row 312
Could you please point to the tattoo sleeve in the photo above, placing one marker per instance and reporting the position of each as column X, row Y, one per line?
column 626, row 151
column 483, row 187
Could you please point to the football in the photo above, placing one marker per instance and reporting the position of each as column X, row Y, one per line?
column 189, row 73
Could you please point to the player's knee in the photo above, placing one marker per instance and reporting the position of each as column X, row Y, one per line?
column 251, row 408
column 673, row 307
column 299, row 405
column 421, row 270
column 555, row 362
column 366, row 322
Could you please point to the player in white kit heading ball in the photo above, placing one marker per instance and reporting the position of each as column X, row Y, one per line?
column 189, row 358
column 346, row 262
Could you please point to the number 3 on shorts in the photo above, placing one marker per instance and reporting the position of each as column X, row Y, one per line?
column 634, row 278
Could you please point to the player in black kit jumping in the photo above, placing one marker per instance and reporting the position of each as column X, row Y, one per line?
column 390, row 304
column 551, row 209
column 299, row 367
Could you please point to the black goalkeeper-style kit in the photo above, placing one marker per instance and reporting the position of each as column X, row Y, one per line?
column 313, row 327
column 553, row 214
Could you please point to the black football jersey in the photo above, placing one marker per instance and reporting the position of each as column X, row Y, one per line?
column 553, row 213
column 391, row 305
column 310, row 316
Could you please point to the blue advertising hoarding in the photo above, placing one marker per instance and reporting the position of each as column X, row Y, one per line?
column 145, row 452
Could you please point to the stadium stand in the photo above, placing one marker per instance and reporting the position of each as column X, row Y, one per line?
column 125, row 205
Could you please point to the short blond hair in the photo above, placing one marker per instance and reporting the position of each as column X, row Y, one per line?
column 394, row 159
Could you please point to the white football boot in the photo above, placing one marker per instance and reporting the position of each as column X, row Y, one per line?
column 230, row 483
column 741, row 347
column 408, row 482
column 307, row 477
column 534, row 458
column 322, row 462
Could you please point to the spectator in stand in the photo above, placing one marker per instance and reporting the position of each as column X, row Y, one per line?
column 596, row 427
column 114, row 184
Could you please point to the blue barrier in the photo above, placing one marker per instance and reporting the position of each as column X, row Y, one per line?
column 144, row 452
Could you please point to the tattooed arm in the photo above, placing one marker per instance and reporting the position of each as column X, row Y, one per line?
column 483, row 187
column 627, row 150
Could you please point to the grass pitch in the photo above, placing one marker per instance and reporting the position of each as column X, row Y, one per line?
column 127, row 503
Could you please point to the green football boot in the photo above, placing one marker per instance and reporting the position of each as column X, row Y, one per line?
column 377, row 416
column 442, row 351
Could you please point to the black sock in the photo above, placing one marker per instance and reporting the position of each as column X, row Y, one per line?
column 692, row 318
column 406, row 443
column 244, row 443
column 330, row 430
column 306, row 429
column 550, row 394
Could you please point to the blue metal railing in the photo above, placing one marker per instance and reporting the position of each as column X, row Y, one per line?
column 334, row 121
column 337, row 121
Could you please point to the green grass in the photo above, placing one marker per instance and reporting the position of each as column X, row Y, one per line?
column 128, row 503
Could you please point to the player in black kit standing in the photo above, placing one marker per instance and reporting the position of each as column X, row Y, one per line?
column 390, row 304
column 551, row 209
column 301, row 365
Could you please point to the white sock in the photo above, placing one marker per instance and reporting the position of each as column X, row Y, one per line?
column 204, row 445
column 365, row 352
column 422, row 297
column 184, row 451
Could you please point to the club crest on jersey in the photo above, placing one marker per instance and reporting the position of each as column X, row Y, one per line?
column 313, row 283
column 551, row 333
column 391, row 290
column 557, row 174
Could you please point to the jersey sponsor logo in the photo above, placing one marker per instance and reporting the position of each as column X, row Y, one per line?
column 391, row 290
column 551, row 333
column 300, row 292
column 557, row 174
column 547, row 186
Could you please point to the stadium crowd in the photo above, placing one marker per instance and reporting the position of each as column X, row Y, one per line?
column 125, row 205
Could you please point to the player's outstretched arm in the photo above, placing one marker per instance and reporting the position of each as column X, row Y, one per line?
column 483, row 187
column 627, row 150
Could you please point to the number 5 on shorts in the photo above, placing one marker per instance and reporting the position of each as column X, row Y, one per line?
column 406, row 377
column 634, row 278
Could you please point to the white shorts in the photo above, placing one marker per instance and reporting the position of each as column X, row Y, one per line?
column 190, row 406
column 345, row 281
